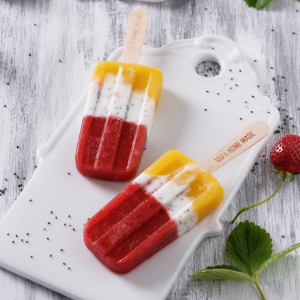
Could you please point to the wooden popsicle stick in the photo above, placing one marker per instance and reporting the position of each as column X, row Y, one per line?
column 245, row 139
column 135, row 35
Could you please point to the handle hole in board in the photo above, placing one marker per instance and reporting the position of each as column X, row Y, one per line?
column 208, row 69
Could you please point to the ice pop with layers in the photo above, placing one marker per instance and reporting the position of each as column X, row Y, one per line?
column 161, row 204
column 120, row 108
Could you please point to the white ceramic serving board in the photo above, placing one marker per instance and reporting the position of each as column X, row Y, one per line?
column 181, row 123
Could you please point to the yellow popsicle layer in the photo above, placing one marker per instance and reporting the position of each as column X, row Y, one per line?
column 203, row 188
column 141, row 78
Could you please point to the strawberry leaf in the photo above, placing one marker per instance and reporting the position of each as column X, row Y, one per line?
column 275, row 258
column 258, row 4
column 249, row 246
column 222, row 272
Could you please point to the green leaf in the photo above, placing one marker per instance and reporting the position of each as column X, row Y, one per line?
column 222, row 272
column 258, row 4
column 275, row 258
column 249, row 246
column 225, row 267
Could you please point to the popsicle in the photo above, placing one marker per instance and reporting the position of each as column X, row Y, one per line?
column 120, row 108
column 161, row 204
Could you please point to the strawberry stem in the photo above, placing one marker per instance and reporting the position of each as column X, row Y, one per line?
column 285, row 175
column 259, row 289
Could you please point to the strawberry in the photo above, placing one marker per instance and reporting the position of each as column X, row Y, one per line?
column 285, row 155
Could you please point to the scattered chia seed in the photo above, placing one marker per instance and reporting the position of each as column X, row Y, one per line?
column 17, row 147
column 241, row 118
column 61, row 249
column 69, row 173
column 50, row 255
column 73, row 229
column 29, row 54
column 205, row 109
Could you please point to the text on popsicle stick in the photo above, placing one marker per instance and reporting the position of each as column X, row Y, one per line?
column 239, row 143
column 135, row 31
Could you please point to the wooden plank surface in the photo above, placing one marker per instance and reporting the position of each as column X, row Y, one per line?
column 47, row 52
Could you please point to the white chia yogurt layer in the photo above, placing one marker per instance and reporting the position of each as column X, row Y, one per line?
column 172, row 196
column 115, row 98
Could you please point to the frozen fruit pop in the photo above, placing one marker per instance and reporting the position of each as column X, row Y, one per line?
column 120, row 109
column 160, row 205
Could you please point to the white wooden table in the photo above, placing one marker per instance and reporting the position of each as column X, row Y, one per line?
column 47, row 52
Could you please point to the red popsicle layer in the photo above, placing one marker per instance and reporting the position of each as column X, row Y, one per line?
column 129, row 229
column 110, row 148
